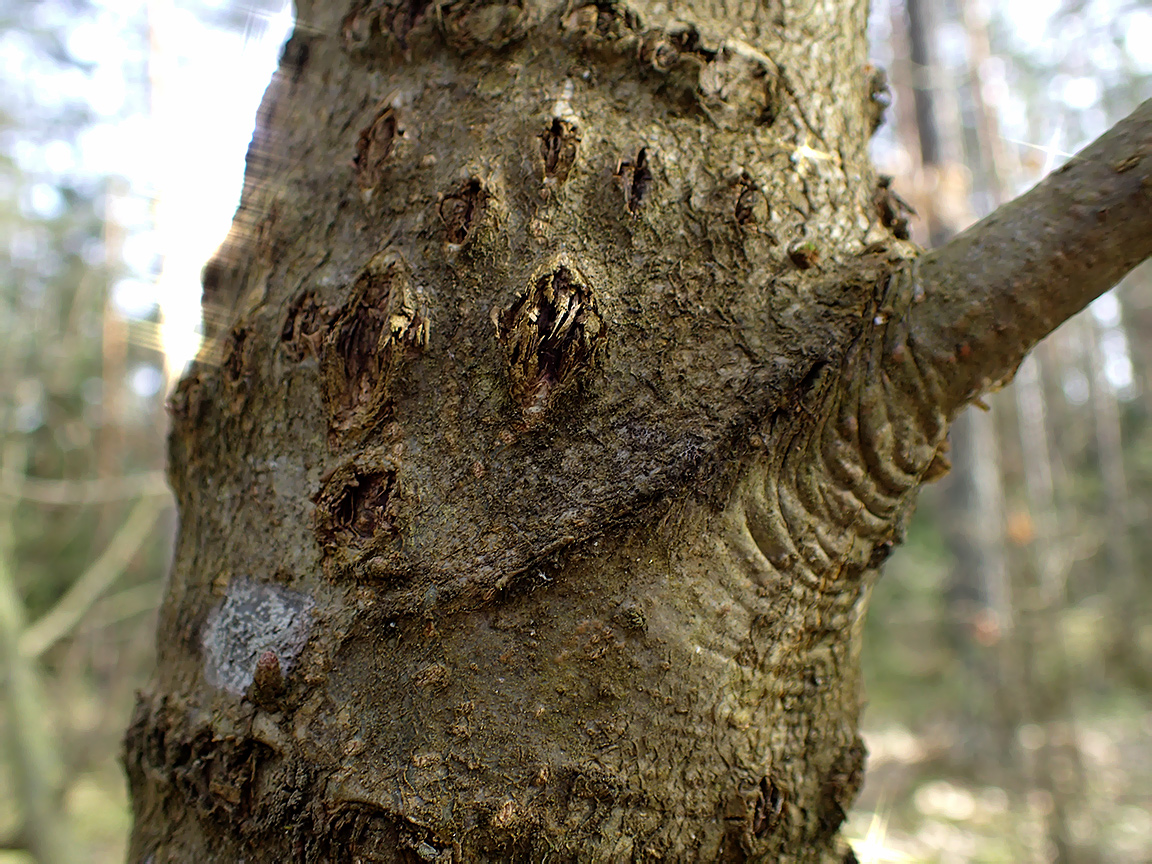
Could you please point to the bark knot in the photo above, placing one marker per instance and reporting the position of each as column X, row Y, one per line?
column 879, row 95
column 891, row 208
column 304, row 327
column 558, row 147
column 634, row 177
column 460, row 211
column 751, row 203
column 358, row 514
column 768, row 808
column 372, row 149
column 551, row 334
column 384, row 322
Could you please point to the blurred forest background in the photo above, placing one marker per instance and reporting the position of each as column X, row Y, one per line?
column 1009, row 647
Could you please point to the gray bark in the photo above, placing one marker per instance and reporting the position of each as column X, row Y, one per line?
column 531, row 509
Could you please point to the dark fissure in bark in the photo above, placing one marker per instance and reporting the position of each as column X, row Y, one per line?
column 751, row 204
column 383, row 325
column 363, row 507
column 234, row 357
column 635, row 178
column 356, row 512
column 558, row 148
column 769, row 806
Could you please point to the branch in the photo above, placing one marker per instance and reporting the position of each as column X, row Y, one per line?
column 61, row 618
column 32, row 751
column 13, row 843
column 994, row 291
column 99, row 491
column 125, row 604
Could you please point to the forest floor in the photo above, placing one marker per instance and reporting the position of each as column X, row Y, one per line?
column 917, row 808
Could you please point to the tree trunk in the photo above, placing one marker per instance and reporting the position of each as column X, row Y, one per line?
column 569, row 388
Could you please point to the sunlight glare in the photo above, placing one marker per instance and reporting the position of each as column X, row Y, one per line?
column 207, row 85
column 872, row 849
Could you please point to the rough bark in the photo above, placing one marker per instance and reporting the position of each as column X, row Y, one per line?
column 565, row 403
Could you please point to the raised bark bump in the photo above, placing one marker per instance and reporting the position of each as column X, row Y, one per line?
column 773, row 538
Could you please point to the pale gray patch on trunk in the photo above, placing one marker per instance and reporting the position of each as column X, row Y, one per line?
column 252, row 620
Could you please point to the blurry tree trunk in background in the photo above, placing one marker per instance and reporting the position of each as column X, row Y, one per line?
column 114, row 347
column 43, row 360
column 1041, row 595
column 30, row 747
column 972, row 507
column 1125, row 586
column 1137, row 304
column 1034, row 655
column 920, row 30
column 534, row 506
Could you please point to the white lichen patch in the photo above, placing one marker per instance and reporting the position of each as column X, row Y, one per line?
column 253, row 618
